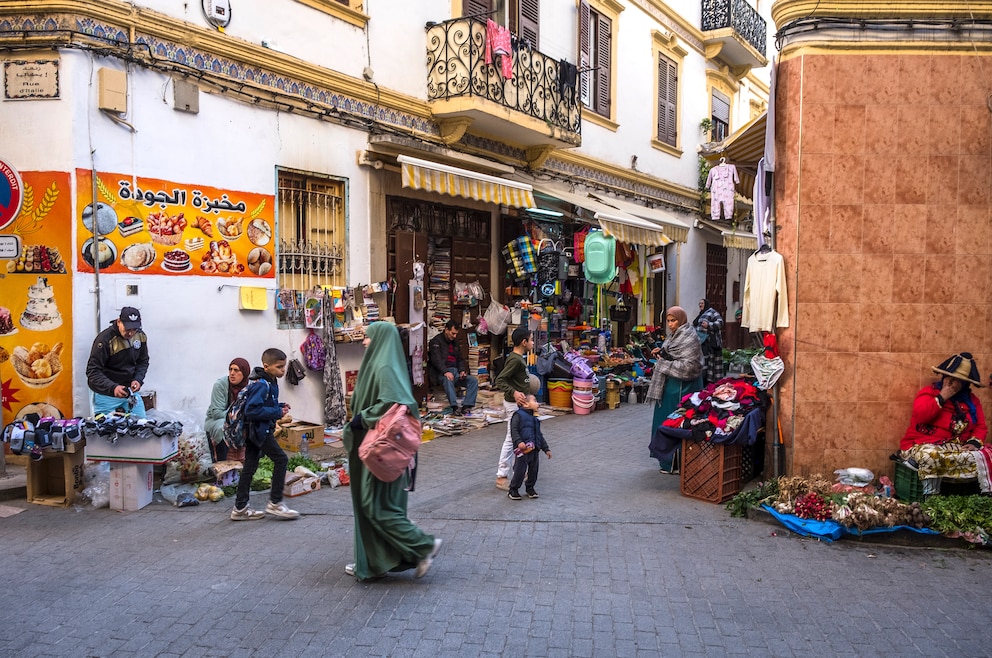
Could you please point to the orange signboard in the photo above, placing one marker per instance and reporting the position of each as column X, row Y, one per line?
column 36, row 301
column 159, row 227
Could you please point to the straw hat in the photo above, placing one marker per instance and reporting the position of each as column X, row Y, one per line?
column 961, row 366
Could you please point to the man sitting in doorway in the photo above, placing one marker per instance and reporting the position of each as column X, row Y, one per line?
column 447, row 366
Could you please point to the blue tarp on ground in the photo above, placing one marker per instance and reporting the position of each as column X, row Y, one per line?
column 831, row 530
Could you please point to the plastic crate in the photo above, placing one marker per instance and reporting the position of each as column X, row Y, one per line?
column 909, row 487
column 710, row 471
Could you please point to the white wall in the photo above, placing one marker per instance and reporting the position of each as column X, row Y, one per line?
column 193, row 323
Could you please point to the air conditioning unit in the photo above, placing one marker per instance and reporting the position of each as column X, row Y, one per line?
column 217, row 12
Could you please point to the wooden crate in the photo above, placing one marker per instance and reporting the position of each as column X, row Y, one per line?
column 710, row 471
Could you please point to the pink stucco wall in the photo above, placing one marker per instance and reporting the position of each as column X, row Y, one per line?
column 883, row 195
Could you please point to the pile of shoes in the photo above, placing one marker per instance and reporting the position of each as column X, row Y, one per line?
column 117, row 425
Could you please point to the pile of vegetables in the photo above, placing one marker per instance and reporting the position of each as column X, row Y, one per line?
column 814, row 497
column 208, row 492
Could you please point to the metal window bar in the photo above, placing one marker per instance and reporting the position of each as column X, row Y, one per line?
column 311, row 244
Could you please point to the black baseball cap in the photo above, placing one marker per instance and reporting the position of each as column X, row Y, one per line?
column 130, row 317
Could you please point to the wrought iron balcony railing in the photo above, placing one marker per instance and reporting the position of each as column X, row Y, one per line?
column 456, row 67
column 739, row 15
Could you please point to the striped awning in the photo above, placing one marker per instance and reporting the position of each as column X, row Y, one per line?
column 743, row 149
column 444, row 179
column 732, row 239
column 674, row 228
column 621, row 225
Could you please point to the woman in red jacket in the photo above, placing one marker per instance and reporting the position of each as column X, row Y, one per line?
column 947, row 432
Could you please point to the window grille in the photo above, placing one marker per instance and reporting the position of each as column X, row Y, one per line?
column 311, row 231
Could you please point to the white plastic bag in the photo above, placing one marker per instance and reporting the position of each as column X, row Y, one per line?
column 497, row 317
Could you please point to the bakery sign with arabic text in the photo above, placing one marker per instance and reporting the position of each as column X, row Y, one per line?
column 159, row 227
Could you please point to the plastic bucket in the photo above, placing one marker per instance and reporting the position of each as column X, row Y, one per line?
column 583, row 384
column 560, row 393
column 583, row 403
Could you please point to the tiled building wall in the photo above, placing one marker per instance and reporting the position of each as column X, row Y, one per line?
column 883, row 208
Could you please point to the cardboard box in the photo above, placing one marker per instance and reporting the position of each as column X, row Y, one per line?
column 55, row 480
column 154, row 450
column 131, row 486
column 304, row 485
column 293, row 435
column 78, row 446
column 228, row 473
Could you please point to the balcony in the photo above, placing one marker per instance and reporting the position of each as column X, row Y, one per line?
column 735, row 32
column 465, row 92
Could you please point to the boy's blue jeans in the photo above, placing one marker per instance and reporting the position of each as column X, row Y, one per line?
column 270, row 448
column 471, row 388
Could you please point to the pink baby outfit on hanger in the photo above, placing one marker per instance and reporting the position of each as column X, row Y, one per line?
column 722, row 184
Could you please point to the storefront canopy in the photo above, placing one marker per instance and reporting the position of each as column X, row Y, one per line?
column 673, row 227
column 732, row 239
column 444, row 179
column 621, row 225
column 743, row 149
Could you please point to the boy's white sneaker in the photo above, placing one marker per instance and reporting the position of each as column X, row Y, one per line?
column 246, row 514
column 280, row 510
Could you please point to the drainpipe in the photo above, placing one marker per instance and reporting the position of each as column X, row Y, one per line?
column 95, row 246
column 777, row 450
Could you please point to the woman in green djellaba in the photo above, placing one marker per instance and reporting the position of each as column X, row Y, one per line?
column 385, row 538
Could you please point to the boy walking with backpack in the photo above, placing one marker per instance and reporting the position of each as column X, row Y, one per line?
column 514, row 381
column 528, row 444
column 261, row 411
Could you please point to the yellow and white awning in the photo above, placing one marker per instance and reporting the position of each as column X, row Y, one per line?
column 621, row 225
column 733, row 239
column 674, row 228
column 444, row 179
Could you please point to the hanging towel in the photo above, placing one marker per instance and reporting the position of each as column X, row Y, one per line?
column 568, row 75
column 498, row 45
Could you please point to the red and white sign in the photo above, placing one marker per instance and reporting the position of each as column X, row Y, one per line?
column 11, row 194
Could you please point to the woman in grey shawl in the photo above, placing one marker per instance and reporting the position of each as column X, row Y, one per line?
column 677, row 372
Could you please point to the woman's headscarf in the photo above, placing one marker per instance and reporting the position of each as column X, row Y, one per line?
column 383, row 378
column 232, row 390
column 699, row 318
column 678, row 313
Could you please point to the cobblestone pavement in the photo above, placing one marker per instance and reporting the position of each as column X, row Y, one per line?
column 610, row 561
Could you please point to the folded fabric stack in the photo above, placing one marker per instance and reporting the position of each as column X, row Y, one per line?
column 116, row 425
column 718, row 410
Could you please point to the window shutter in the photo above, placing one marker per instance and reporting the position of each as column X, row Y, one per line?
column 475, row 7
column 721, row 107
column 603, row 62
column 667, row 100
column 530, row 18
column 585, row 75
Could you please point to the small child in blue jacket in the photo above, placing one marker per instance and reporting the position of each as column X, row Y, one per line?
column 262, row 410
column 528, row 443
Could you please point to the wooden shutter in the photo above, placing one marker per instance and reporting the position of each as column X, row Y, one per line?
column 667, row 100
column 475, row 7
column 530, row 17
column 603, row 40
column 585, row 75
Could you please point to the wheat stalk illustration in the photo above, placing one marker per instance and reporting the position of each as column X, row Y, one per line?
column 258, row 210
column 106, row 192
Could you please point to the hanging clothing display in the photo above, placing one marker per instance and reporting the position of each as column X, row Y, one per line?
column 335, row 411
column 765, row 298
column 722, row 184
column 498, row 45
column 762, row 203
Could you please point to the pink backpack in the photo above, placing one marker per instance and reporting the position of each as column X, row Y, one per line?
column 389, row 447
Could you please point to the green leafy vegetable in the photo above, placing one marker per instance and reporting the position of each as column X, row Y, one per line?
column 739, row 504
column 302, row 460
column 970, row 516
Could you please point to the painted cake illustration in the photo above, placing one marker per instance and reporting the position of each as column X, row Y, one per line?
column 6, row 322
column 41, row 314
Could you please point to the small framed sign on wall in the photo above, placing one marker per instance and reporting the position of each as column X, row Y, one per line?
column 32, row 79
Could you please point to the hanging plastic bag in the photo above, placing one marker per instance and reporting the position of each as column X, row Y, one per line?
column 497, row 316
